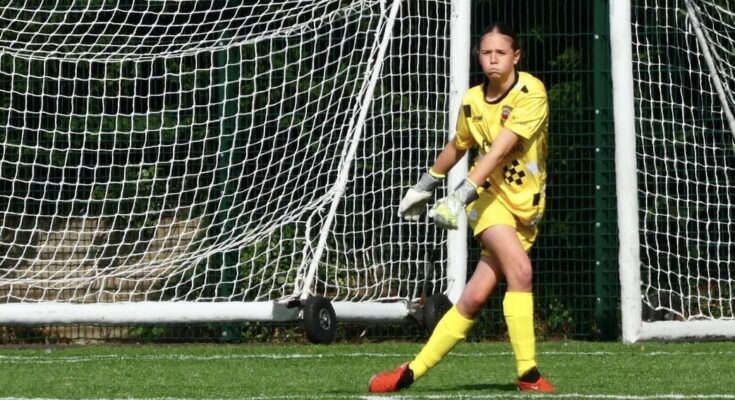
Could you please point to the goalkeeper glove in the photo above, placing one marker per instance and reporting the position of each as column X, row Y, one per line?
column 414, row 202
column 446, row 211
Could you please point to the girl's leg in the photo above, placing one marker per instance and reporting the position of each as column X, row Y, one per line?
column 458, row 321
column 503, row 242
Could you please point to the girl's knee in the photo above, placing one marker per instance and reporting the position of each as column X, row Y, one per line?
column 520, row 274
column 470, row 304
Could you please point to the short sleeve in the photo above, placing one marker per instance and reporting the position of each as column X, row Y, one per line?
column 463, row 137
column 529, row 115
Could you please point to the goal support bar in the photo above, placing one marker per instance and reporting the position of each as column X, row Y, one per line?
column 189, row 312
column 356, row 128
column 714, row 75
column 673, row 330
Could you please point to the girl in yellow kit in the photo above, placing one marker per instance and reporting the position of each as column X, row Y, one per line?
column 503, row 196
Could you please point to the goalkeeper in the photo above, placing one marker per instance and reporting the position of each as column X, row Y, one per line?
column 503, row 196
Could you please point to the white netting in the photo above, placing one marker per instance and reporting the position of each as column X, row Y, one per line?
column 686, row 157
column 182, row 150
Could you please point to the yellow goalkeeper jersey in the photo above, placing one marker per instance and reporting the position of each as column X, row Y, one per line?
column 520, row 180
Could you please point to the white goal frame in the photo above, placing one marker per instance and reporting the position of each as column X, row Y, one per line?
column 283, row 310
column 633, row 326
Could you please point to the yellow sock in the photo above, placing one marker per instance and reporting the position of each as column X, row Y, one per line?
column 518, row 311
column 451, row 329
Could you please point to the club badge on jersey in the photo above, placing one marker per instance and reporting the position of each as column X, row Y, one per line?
column 506, row 113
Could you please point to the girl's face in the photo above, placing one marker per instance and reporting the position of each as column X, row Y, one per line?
column 497, row 57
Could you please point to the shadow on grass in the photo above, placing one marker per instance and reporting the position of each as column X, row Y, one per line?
column 506, row 387
column 501, row 387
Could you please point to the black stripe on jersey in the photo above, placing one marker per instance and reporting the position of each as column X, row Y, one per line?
column 467, row 110
column 536, row 199
column 524, row 89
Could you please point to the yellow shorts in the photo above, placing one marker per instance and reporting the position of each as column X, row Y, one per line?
column 490, row 210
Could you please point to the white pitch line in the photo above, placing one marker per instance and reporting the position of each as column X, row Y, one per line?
column 181, row 357
column 515, row 395
column 518, row 395
column 50, row 358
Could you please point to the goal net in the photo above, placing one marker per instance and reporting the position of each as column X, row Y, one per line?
column 683, row 79
column 191, row 161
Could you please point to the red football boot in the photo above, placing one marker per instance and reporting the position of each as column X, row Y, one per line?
column 391, row 381
column 540, row 384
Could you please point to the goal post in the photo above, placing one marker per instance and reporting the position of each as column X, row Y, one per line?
column 221, row 161
column 625, row 169
column 675, row 157
column 459, row 83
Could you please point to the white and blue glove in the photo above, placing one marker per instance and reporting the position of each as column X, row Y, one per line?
column 446, row 211
column 414, row 202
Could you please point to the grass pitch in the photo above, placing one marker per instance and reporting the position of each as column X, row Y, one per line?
column 584, row 370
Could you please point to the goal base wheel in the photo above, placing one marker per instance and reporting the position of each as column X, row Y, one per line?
column 434, row 309
column 320, row 321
